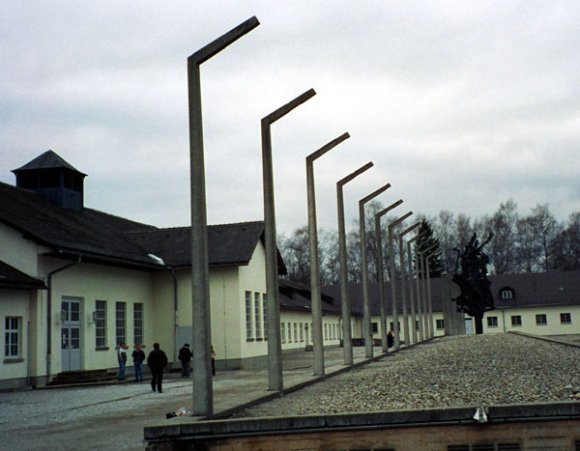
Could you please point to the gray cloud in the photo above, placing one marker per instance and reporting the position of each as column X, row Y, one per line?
column 460, row 106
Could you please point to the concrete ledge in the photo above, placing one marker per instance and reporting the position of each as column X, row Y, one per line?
column 546, row 338
column 188, row 430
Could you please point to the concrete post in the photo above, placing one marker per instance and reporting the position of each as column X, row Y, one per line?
column 411, row 296
column 315, row 298
column 392, row 225
column 423, row 301
column 275, row 381
column 367, row 328
column 381, row 272
column 403, row 282
column 201, row 321
column 344, row 294
column 429, row 298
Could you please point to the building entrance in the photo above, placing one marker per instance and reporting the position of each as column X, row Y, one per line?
column 70, row 334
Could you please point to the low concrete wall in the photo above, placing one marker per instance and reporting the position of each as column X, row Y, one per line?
column 520, row 425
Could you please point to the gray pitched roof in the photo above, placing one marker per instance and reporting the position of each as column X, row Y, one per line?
column 228, row 244
column 531, row 289
column 10, row 277
column 48, row 160
column 102, row 237
column 296, row 296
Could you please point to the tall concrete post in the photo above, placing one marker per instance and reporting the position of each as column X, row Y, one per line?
column 275, row 381
column 411, row 296
column 403, row 282
column 381, row 273
column 344, row 294
column 419, row 262
column 315, row 298
column 429, row 298
column 367, row 327
column 391, row 227
column 201, row 321
column 424, row 301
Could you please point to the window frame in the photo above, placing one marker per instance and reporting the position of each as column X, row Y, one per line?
column 138, row 320
column 518, row 322
column 120, row 322
column 492, row 322
column 12, row 338
column 249, row 316
column 101, row 324
column 257, row 316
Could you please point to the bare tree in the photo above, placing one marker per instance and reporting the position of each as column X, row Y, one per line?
column 502, row 247
column 566, row 247
column 546, row 228
column 296, row 254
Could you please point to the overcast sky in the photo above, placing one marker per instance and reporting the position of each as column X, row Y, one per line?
column 459, row 105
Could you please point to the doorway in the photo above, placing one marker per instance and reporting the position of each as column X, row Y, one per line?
column 70, row 334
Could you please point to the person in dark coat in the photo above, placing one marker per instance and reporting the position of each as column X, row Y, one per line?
column 390, row 339
column 157, row 360
column 138, row 359
column 184, row 357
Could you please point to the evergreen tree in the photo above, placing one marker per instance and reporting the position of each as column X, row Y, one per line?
column 427, row 241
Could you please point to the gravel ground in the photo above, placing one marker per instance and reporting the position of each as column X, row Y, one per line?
column 447, row 372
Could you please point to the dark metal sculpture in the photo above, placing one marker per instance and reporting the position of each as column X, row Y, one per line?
column 475, row 298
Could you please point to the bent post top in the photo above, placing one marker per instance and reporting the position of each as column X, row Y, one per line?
column 223, row 41
column 354, row 174
column 285, row 109
column 327, row 147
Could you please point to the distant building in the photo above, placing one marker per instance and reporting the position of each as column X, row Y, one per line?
column 535, row 303
column 76, row 282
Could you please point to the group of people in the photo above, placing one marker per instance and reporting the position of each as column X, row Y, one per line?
column 185, row 355
column 157, row 361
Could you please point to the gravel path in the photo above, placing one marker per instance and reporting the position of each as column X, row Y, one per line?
column 447, row 372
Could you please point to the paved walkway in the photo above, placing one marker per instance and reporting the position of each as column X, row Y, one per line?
column 112, row 416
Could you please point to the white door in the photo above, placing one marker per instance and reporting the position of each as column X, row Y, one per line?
column 469, row 326
column 71, row 334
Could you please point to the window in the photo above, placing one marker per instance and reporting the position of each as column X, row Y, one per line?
column 257, row 316
column 516, row 321
column 265, row 314
column 541, row 320
column 289, row 332
column 295, row 332
column 301, row 332
column 492, row 321
column 12, row 335
column 375, row 328
column 120, row 322
column 507, row 294
column 249, row 330
column 101, row 324
column 138, row 323
column 283, row 332
column 440, row 324
column 565, row 318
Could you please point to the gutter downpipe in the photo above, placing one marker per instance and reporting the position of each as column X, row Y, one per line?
column 175, row 310
column 49, row 314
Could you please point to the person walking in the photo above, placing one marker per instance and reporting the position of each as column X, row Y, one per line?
column 157, row 360
column 122, row 359
column 184, row 357
column 138, row 359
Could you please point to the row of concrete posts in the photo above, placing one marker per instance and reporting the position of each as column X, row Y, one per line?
column 419, row 298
